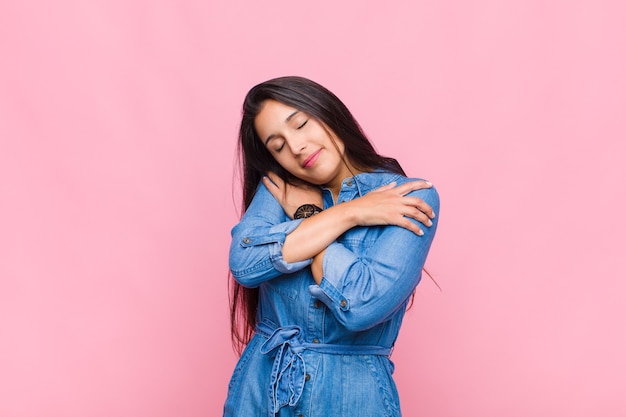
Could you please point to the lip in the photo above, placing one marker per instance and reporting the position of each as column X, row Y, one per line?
column 310, row 161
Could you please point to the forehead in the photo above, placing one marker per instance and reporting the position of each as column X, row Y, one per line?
column 273, row 114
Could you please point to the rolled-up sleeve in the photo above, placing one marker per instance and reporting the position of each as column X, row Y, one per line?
column 363, row 291
column 257, row 240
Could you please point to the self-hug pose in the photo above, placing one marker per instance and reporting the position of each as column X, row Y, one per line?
column 324, row 261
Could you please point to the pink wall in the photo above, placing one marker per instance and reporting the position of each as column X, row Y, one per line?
column 118, row 124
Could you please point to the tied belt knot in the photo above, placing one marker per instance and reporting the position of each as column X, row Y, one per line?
column 289, row 368
column 286, row 344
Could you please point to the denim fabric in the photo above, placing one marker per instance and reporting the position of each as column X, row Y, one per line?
column 323, row 350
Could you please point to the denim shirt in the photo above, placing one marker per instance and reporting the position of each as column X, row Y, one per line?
column 324, row 335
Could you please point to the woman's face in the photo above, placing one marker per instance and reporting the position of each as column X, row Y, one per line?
column 301, row 145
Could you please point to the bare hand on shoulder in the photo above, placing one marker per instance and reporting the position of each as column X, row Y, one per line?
column 390, row 205
column 292, row 196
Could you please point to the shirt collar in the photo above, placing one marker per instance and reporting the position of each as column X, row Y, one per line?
column 368, row 181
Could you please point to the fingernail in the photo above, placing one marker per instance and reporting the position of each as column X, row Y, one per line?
column 432, row 216
column 420, row 232
column 429, row 223
column 429, row 183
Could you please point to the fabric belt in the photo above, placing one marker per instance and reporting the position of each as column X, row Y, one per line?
column 285, row 344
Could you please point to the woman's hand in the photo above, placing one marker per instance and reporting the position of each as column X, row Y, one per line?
column 389, row 205
column 292, row 196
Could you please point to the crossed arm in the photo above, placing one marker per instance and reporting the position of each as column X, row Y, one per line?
column 387, row 205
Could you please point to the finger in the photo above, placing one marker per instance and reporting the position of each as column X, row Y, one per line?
column 271, row 185
column 275, row 179
column 272, row 188
column 275, row 185
column 420, row 217
column 409, row 225
column 420, row 205
column 407, row 187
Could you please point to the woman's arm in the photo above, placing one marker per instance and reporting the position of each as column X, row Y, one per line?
column 387, row 205
column 256, row 246
column 264, row 245
column 365, row 290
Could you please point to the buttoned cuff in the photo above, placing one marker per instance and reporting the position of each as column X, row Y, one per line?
column 274, row 239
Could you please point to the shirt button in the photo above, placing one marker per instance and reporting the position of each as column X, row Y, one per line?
column 343, row 303
column 317, row 303
column 316, row 340
column 246, row 240
column 349, row 183
column 307, row 377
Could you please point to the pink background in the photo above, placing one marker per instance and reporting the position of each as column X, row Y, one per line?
column 118, row 125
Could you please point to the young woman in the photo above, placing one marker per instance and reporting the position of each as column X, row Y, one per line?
column 325, row 258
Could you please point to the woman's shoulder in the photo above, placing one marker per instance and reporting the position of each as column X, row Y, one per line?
column 383, row 177
column 428, row 194
column 372, row 180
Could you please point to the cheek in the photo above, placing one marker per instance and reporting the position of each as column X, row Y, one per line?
column 340, row 147
column 285, row 161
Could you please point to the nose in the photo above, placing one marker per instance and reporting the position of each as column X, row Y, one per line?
column 296, row 145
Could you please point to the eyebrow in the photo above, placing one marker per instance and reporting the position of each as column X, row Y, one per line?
column 272, row 136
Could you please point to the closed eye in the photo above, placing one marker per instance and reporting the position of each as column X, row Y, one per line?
column 302, row 125
column 280, row 148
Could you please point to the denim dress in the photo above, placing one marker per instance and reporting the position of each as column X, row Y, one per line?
column 323, row 350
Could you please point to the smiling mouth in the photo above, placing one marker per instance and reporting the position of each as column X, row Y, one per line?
column 311, row 159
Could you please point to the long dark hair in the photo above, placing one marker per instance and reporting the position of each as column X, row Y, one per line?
column 255, row 161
